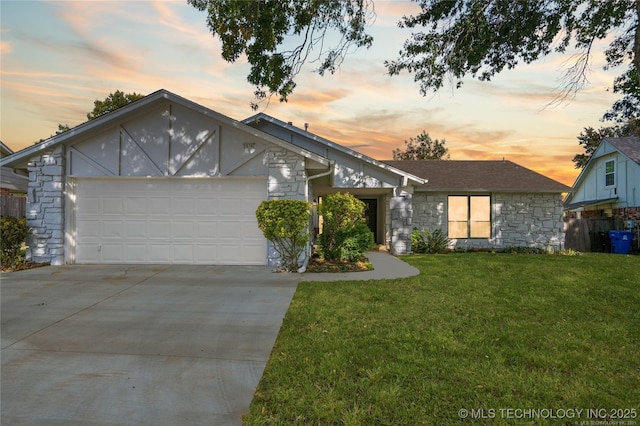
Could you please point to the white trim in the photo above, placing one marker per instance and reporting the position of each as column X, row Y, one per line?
column 614, row 173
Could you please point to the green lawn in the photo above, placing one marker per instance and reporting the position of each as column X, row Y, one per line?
column 474, row 331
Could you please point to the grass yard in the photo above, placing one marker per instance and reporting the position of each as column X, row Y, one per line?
column 481, row 332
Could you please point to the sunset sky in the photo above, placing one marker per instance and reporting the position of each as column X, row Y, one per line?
column 57, row 57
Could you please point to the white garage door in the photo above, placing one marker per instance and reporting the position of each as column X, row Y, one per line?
column 180, row 220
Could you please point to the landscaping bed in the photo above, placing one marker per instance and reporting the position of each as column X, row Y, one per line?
column 317, row 264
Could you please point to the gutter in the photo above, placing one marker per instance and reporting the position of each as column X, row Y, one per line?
column 332, row 164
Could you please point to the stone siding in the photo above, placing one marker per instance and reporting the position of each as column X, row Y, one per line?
column 518, row 220
column 401, row 219
column 287, row 180
column 45, row 207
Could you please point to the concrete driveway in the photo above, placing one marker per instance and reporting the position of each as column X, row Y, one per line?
column 137, row 345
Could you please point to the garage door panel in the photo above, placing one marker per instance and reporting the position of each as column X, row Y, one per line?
column 89, row 205
column 160, row 253
column 87, row 253
column 88, row 228
column 183, row 253
column 135, row 253
column 113, row 229
column 135, row 206
column 112, row 205
column 159, row 230
column 183, row 229
column 136, row 228
column 203, row 221
column 159, row 206
column 112, row 253
column 183, row 206
column 206, row 207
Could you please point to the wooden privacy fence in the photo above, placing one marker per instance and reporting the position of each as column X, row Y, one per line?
column 590, row 234
column 13, row 206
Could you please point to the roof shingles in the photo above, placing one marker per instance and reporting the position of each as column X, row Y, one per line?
column 478, row 176
column 629, row 146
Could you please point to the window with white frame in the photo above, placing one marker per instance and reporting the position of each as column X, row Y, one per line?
column 610, row 173
column 469, row 216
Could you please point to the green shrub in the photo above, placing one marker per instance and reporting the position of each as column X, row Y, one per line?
column 436, row 241
column 286, row 224
column 417, row 242
column 356, row 242
column 342, row 220
column 429, row 242
column 13, row 233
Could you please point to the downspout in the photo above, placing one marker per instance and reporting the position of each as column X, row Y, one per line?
column 332, row 164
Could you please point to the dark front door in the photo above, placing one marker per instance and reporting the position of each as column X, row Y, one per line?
column 371, row 215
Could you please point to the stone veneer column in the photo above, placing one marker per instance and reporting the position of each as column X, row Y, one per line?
column 401, row 211
column 45, row 213
column 287, row 180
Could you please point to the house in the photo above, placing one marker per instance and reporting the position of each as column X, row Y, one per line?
column 487, row 204
column 165, row 180
column 609, row 185
column 11, row 183
column 13, row 187
column 606, row 193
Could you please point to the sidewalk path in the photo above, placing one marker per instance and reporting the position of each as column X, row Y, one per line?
column 386, row 266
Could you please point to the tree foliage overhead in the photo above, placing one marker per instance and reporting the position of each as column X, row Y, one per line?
column 627, row 107
column 452, row 39
column 422, row 147
column 456, row 38
column 260, row 29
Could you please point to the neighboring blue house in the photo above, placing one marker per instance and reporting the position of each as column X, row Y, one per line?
column 609, row 187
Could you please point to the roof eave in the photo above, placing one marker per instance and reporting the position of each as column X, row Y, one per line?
column 343, row 149
column 494, row 190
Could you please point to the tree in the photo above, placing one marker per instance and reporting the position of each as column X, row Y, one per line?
column 452, row 38
column 422, row 148
column 112, row 102
column 259, row 29
column 625, row 112
column 482, row 38
column 628, row 107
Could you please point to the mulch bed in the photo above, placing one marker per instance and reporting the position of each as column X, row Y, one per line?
column 22, row 266
column 317, row 264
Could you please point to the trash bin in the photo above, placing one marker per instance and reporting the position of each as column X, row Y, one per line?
column 621, row 241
